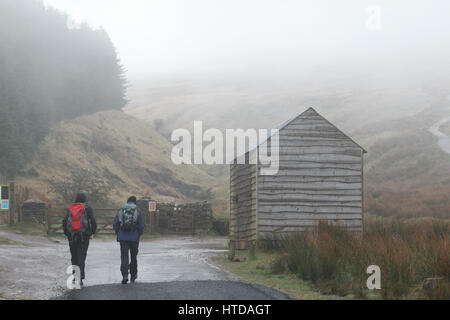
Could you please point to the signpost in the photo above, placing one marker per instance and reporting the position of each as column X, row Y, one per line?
column 4, row 198
column 153, row 215
column 152, row 206
column 149, row 211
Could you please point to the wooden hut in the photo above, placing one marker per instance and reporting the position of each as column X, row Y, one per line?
column 320, row 178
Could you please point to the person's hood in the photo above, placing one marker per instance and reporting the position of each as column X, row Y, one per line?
column 132, row 199
column 81, row 198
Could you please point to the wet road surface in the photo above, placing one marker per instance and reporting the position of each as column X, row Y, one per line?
column 168, row 259
column 177, row 290
column 168, row 268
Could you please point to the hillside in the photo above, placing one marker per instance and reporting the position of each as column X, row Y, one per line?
column 126, row 152
column 406, row 172
column 350, row 100
column 445, row 128
column 48, row 73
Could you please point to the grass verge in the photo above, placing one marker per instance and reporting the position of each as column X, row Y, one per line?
column 330, row 263
column 256, row 269
column 6, row 241
column 412, row 254
column 27, row 228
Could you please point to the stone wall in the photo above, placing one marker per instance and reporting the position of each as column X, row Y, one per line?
column 188, row 218
column 33, row 211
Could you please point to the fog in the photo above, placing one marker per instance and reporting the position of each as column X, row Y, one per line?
column 378, row 70
column 164, row 37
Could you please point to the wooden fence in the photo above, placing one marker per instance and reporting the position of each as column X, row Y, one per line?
column 174, row 219
column 103, row 217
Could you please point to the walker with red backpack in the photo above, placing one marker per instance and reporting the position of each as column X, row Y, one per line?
column 77, row 221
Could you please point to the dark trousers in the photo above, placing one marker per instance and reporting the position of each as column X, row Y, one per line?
column 78, row 250
column 128, row 248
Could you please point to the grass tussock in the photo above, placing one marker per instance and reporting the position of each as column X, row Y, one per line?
column 407, row 251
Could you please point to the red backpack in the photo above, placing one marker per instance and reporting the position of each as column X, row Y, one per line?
column 77, row 219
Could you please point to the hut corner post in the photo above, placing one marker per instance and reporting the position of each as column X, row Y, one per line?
column 362, row 192
column 256, row 204
column 232, row 243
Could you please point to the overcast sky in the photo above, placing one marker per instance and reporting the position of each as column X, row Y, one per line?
column 188, row 36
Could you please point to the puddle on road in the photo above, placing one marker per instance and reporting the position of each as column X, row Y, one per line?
column 181, row 252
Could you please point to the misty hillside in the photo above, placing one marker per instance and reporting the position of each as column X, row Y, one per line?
column 350, row 99
column 49, row 72
column 405, row 170
column 446, row 128
column 127, row 153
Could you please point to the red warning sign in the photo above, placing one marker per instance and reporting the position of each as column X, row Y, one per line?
column 152, row 206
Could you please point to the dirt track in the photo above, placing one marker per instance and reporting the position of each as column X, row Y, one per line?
column 443, row 139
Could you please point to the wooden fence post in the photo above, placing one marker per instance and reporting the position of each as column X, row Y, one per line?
column 47, row 218
column 11, row 203
column 193, row 222
column 152, row 224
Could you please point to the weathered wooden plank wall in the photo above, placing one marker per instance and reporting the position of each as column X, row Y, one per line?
column 319, row 178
